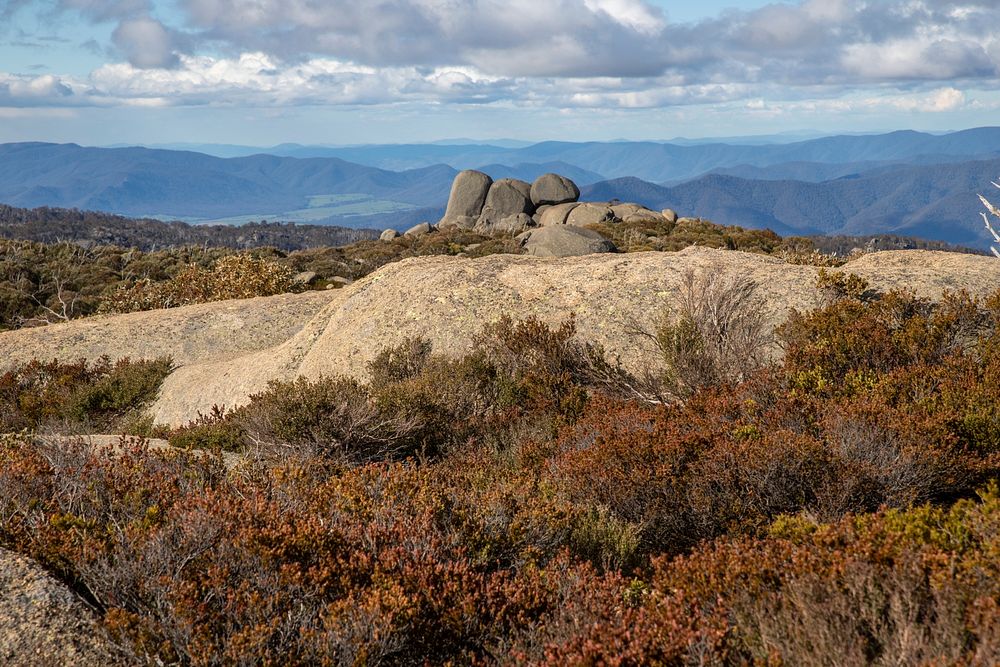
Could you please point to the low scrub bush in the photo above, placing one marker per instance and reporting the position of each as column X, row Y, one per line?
column 852, row 342
column 417, row 403
column 98, row 397
column 716, row 334
column 333, row 416
column 447, row 563
column 231, row 277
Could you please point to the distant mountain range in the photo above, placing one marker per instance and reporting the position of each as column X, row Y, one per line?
column 934, row 202
column 146, row 182
column 660, row 162
column 903, row 182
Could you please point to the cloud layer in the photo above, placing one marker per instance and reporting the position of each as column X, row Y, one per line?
column 557, row 53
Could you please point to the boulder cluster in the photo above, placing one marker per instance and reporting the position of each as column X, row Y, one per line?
column 546, row 215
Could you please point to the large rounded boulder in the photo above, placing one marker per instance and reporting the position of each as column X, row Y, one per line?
column 589, row 214
column 563, row 241
column 468, row 195
column 506, row 198
column 553, row 189
column 557, row 214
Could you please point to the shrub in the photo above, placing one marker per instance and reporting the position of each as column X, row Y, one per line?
column 100, row 397
column 848, row 344
column 844, row 286
column 333, row 416
column 232, row 277
column 213, row 432
column 714, row 334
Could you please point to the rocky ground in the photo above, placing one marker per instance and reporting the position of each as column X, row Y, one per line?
column 43, row 623
column 217, row 330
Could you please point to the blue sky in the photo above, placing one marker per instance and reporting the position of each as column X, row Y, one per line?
column 263, row 72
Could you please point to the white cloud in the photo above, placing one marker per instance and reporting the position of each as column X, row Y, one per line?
column 917, row 58
column 501, row 37
column 634, row 14
column 619, row 54
column 39, row 91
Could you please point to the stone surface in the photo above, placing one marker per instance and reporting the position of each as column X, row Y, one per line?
column 514, row 224
column 643, row 215
column 468, row 195
column 669, row 215
column 507, row 197
column 389, row 235
column 553, row 189
column 564, row 241
column 589, row 214
column 203, row 331
column 623, row 210
column 556, row 215
column 44, row 624
column 418, row 230
column 461, row 222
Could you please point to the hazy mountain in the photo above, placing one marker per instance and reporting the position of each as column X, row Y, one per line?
column 140, row 181
column 660, row 161
column 926, row 201
column 51, row 225
column 817, row 172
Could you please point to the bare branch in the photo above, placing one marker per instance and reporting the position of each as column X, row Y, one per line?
column 996, row 212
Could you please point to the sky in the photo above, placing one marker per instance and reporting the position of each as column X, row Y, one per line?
column 264, row 72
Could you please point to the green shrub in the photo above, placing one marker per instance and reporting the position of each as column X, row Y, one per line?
column 231, row 277
column 848, row 344
column 213, row 432
column 333, row 416
column 715, row 333
column 99, row 397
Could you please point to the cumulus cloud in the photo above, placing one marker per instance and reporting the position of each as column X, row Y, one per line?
column 812, row 42
column 146, row 43
column 38, row 91
column 502, row 37
column 556, row 53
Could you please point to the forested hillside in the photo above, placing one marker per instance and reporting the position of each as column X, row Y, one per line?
column 933, row 202
column 51, row 225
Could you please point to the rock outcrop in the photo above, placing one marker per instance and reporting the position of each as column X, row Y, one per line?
column 553, row 189
column 590, row 214
column 419, row 229
column 465, row 203
column 507, row 198
column 228, row 350
column 556, row 214
column 510, row 206
column 219, row 330
column 448, row 299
